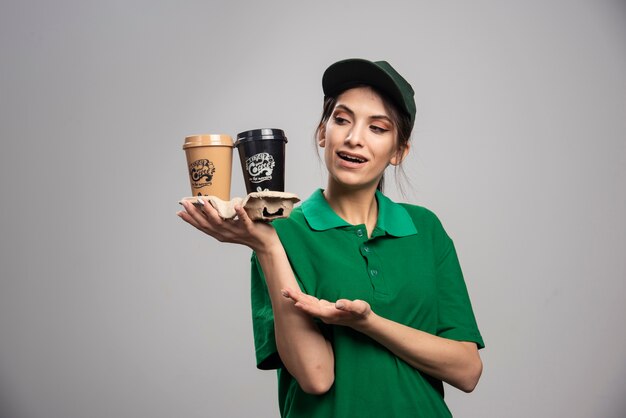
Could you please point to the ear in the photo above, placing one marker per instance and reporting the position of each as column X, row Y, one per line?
column 399, row 156
column 321, row 136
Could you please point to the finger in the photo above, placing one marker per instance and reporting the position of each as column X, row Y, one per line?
column 297, row 294
column 342, row 304
column 244, row 218
column 205, row 222
column 193, row 212
column 305, row 300
column 288, row 294
column 211, row 222
column 233, row 228
column 309, row 308
column 357, row 306
column 185, row 216
column 210, row 212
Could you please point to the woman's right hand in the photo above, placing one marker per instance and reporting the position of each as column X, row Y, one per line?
column 259, row 236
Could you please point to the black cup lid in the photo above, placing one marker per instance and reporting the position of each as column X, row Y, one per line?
column 260, row 134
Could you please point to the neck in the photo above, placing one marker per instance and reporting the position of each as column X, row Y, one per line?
column 355, row 206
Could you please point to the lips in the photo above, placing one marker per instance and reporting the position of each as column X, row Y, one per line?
column 351, row 157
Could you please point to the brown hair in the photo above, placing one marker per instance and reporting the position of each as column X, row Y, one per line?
column 401, row 121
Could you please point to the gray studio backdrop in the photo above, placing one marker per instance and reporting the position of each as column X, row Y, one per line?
column 110, row 306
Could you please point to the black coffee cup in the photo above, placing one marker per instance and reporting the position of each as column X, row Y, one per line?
column 262, row 156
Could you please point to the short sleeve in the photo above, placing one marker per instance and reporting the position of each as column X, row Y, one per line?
column 262, row 320
column 456, row 320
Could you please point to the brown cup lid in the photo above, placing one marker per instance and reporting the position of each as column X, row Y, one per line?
column 208, row 140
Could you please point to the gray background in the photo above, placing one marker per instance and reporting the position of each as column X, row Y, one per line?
column 110, row 306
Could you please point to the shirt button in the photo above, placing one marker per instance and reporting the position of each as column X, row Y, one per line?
column 359, row 232
column 374, row 272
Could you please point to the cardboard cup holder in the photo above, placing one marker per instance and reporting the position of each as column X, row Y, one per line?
column 260, row 206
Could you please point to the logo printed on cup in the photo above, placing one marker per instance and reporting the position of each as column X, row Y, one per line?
column 260, row 167
column 201, row 173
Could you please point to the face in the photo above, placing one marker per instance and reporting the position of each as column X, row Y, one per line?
column 359, row 140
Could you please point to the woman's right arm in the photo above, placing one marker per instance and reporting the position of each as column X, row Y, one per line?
column 304, row 351
column 302, row 348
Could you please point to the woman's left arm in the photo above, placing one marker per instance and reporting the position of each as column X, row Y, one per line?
column 454, row 362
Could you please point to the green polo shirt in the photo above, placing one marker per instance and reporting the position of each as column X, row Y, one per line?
column 408, row 271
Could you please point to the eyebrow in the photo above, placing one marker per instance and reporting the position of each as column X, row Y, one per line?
column 351, row 112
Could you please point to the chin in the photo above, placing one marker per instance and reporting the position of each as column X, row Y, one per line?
column 351, row 183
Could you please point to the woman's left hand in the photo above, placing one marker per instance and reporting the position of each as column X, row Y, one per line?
column 342, row 312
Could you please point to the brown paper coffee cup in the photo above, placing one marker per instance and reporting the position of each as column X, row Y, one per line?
column 209, row 162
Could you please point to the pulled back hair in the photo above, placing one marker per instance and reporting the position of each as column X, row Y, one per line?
column 401, row 121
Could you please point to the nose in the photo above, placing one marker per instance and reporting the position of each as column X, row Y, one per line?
column 355, row 135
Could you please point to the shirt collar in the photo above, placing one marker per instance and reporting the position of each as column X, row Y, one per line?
column 393, row 219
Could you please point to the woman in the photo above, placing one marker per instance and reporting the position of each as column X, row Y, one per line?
column 357, row 301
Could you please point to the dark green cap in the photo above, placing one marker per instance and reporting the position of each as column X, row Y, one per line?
column 352, row 72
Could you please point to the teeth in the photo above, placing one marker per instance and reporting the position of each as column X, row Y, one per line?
column 351, row 158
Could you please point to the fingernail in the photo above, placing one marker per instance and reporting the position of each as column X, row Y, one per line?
column 339, row 305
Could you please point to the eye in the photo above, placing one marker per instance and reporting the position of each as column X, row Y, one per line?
column 339, row 120
column 378, row 129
